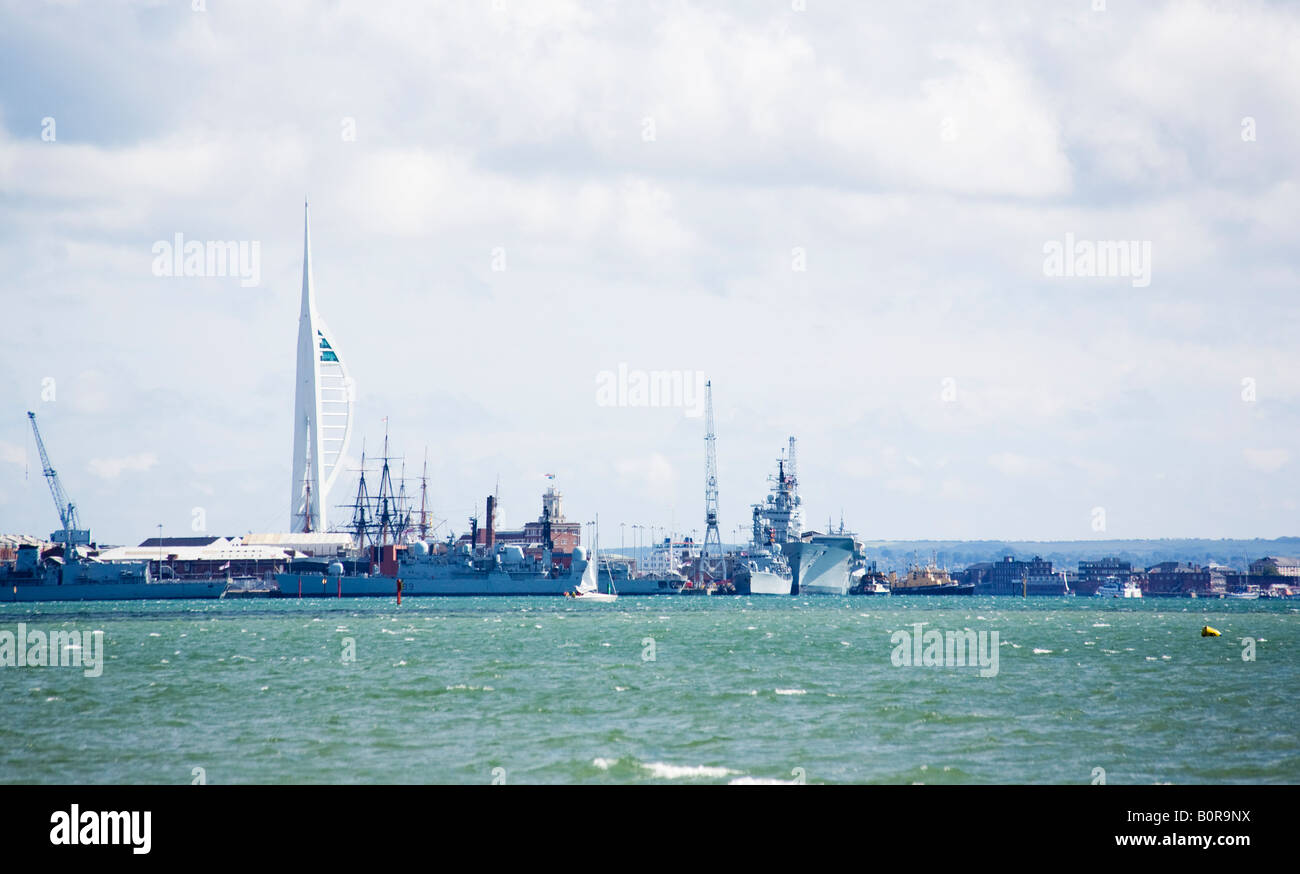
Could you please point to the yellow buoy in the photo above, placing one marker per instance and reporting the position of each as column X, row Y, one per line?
column 1207, row 631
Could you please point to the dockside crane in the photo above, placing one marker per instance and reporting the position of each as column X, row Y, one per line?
column 72, row 533
column 711, row 561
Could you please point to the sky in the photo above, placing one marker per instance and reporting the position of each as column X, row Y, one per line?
column 843, row 215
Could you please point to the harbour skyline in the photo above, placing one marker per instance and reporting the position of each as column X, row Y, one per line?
column 865, row 243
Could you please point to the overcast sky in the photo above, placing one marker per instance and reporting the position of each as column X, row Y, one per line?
column 839, row 214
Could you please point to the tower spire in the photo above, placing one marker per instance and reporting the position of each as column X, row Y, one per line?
column 308, row 296
column 322, row 406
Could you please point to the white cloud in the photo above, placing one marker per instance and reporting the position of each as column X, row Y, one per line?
column 11, row 454
column 112, row 468
column 522, row 127
column 1267, row 460
column 1013, row 464
column 654, row 474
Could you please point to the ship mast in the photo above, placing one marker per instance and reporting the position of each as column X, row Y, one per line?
column 792, row 469
column 361, row 521
column 386, row 505
column 424, row 492
column 403, row 507
column 306, row 520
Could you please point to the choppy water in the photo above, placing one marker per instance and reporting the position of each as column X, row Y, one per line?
column 656, row 689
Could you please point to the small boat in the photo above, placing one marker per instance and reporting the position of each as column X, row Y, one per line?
column 588, row 588
column 1248, row 595
column 866, row 582
column 600, row 597
column 1113, row 588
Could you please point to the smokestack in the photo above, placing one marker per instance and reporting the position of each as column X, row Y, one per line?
column 491, row 527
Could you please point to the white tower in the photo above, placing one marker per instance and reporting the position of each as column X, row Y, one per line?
column 322, row 419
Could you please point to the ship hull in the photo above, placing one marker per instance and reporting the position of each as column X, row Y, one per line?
column 820, row 566
column 113, row 591
column 765, row 583
column 648, row 586
column 953, row 589
column 293, row 586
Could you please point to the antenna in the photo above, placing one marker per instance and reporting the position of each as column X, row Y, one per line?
column 792, row 469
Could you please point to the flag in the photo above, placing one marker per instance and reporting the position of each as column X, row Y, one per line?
column 224, row 567
column 550, row 476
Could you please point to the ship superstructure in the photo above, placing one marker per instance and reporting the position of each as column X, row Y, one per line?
column 819, row 563
column 478, row 566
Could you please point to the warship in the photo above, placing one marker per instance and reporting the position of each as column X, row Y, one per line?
column 76, row 574
column 819, row 563
column 761, row 569
column 82, row 578
column 394, row 556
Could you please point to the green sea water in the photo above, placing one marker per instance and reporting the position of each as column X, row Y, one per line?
column 656, row 689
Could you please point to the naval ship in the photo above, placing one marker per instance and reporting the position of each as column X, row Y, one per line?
column 78, row 578
column 73, row 576
column 819, row 563
column 394, row 559
column 761, row 569
column 445, row 569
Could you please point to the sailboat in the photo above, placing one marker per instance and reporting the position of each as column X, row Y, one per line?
column 588, row 589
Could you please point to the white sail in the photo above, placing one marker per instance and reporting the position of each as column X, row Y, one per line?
column 588, row 581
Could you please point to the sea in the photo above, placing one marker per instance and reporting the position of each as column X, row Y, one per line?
column 659, row 689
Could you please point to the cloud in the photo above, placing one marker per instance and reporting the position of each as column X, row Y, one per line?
column 11, row 454
column 1267, row 460
column 653, row 473
column 112, row 468
column 1013, row 464
column 920, row 154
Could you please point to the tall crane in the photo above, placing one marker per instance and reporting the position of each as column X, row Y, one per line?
column 711, row 559
column 73, row 533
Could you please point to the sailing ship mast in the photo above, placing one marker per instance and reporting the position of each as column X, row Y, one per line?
column 424, row 492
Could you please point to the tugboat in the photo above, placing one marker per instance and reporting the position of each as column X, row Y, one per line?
column 928, row 580
column 866, row 580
